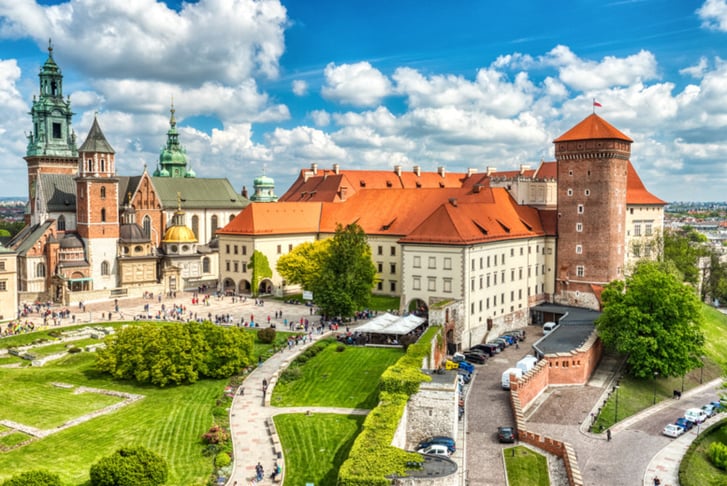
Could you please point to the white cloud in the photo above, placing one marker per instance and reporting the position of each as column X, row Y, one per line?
column 357, row 84
column 697, row 70
column 321, row 118
column 714, row 15
column 300, row 87
column 305, row 143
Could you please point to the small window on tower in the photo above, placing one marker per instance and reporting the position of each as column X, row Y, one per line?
column 56, row 130
column 570, row 192
column 103, row 192
column 588, row 192
column 103, row 215
column 580, row 209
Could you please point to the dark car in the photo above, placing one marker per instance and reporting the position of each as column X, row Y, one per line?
column 510, row 339
column 505, row 343
column 506, row 434
column 488, row 349
column 476, row 358
column 438, row 439
column 684, row 423
column 500, row 344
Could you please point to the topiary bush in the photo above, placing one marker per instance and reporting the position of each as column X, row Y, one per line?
column 37, row 477
column 266, row 336
column 222, row 459
column 717, row 454
column 130, row 466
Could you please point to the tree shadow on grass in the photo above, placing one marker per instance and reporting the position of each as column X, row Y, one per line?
column 331, row 477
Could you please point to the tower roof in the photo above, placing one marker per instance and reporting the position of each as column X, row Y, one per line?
column 96, row 141
column 50, row 66
column 593, row 127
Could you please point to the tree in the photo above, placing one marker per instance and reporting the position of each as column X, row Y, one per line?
column 655, row 319
column 682, row 249
column 37, row 477
column 260, row 269
column 302, row 266
column 347, row 273
column 130, row 466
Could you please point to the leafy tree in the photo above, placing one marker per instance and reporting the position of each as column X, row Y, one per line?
column 260, row 269
column 130, row 466
column 302, row 266
column 37, row 477
column 655, row 319
column 347, row 273
column 682, row 248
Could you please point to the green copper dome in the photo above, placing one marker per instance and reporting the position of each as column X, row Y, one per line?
column 173, row 157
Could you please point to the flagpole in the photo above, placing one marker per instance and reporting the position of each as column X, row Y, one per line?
column 594, row 106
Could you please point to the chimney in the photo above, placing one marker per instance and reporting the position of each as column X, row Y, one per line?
column 397, row 170
column 244, row 192
column 491, row 170
column 441, row 171
column 307, row 174
column 477, row 188
column 336, row 169
column 523, row 168
column 453, row 201
column 471, row 171
column 314, row 168
column 417, row 170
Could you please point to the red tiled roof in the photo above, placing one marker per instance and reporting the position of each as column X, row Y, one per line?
column 547, row 170
column 275, row 218
column 592, row 127
column 636, row 192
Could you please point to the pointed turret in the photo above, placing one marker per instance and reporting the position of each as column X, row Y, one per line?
column 173, row 159
column 96, row 140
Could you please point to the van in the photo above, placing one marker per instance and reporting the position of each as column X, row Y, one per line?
column 506, row 376
column 527, row 363
column 549, row 326
column 695, row 415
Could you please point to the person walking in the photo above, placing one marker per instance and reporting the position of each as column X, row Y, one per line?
column 608, row 435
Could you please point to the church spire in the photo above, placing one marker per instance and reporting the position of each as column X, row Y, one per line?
column 173, row 159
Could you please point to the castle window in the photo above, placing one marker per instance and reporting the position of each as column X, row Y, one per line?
column 648, row 229
column 417, row 262
column 244, row 249
column 104, row 267
column 227, row 249
column 2, row 265
column 448, row 286
column 433, row 262
column 380, row 285
column 392, row 286
column 392, row 267
column 206, row 265
column 3, row 285
column 61, row 223
column 227, row 266
column 393, row 251
column 570, row 172
column 637, row 250
column 570, row 192
column 417, row 283
column 103, row 191
column 235, row 248
column 448, row 263
column 89, row 164
column 637, row 229
column 213, row 225
column 579, row 227
column 103, row 215
column 195, row 226
column 579, row 249
column 236, row 264
column 580, row 271
column 580, row 209
column 380, row 250
column 147, row 226
column 103, row 165
column 431, row 284
column 587, row 192
column 40, row 270
column 280, row 249
column 56, row 130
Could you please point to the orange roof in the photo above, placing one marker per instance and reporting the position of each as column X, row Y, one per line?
column 592, row 127
column 547, row 170
column 275, row 218
column 464, row 223
column 636, row 192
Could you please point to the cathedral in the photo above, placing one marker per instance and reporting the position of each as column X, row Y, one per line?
column 94, row 234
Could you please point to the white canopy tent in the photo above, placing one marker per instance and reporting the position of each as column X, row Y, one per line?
column 391, row 324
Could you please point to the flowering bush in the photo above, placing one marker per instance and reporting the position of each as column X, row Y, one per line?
column 215, row 435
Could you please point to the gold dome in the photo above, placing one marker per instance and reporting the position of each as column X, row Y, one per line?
column 179, row 234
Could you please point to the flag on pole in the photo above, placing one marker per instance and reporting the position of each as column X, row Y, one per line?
column 596, row 103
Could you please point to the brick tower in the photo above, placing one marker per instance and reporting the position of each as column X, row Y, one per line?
column 97, row 206
column 593, row 159
column 52, row 142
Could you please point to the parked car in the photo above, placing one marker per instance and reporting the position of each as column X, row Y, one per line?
column 457, row 357
column 499, row 346
column 502, row 341
column 489, row 349
column 435, row 450
column 468, row 367
column 549, row 326
column 684, row 423
column 718, row 406
column 466, row 375
column 695, row 415
column 506, row 434
column 709, row 410
column 518, row 333
column 509, row 338
column 476, row 358
column 672, row 430
column 448, row 442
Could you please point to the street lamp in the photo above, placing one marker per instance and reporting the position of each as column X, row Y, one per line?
column 656, row 373
column 701, row 369
column 616, row 417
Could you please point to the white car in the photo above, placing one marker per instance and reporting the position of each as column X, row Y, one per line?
column 435, row 449
column 695, row 415
column 672, row 430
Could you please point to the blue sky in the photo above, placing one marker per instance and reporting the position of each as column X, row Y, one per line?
column 274, row 86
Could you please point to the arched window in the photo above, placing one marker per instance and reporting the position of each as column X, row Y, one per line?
column 195, row 225
column 61, row 223
column 206, row 265
column 103, row 165
column 104, row 267
column 147, row 226
column 232, row 216
column 213, row 225
column 103, row 215
column 90, row 165
column 103, row 188
column 40, row 270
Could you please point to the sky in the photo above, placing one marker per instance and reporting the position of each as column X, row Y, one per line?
column 272, row 86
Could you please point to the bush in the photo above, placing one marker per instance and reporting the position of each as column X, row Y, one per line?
column 290, row 374
column 266, row 336
column 717, row 454
column 74, row 350
column 38, row 477
column 340, row 348
column 222, row 459
column 215, row 435
column 130, row 466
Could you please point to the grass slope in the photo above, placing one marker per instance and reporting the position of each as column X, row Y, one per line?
column 338, row 379
column 526, row 467
column 316, row 445
column 169, row 421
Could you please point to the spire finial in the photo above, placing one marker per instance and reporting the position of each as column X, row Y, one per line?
column 128, row 197
column 172, row 121
column 50, row 47
column 179, row 201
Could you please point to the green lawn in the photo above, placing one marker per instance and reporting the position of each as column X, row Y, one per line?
column 12, row 439
column 338, row 379
column 696, row 469
column 316, row 445
column 526, row 467
column 169, row 421
column 634, row 395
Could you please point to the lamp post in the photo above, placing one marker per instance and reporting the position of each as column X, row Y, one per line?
column 656, row 373
column 616, row 414
column 701, row 370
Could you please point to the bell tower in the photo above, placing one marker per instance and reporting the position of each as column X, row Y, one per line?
column 51, row 143
column 592, row 162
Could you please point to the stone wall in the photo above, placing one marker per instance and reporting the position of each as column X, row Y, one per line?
column 432, row 411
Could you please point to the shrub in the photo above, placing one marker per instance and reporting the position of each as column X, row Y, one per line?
column 222, row 459
column 266, row 336
column 215, row 435
column 38, row 477
column 717, row 454
column 290, row 374
column 340, row 348
column 130, row 466
column 74, row 350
